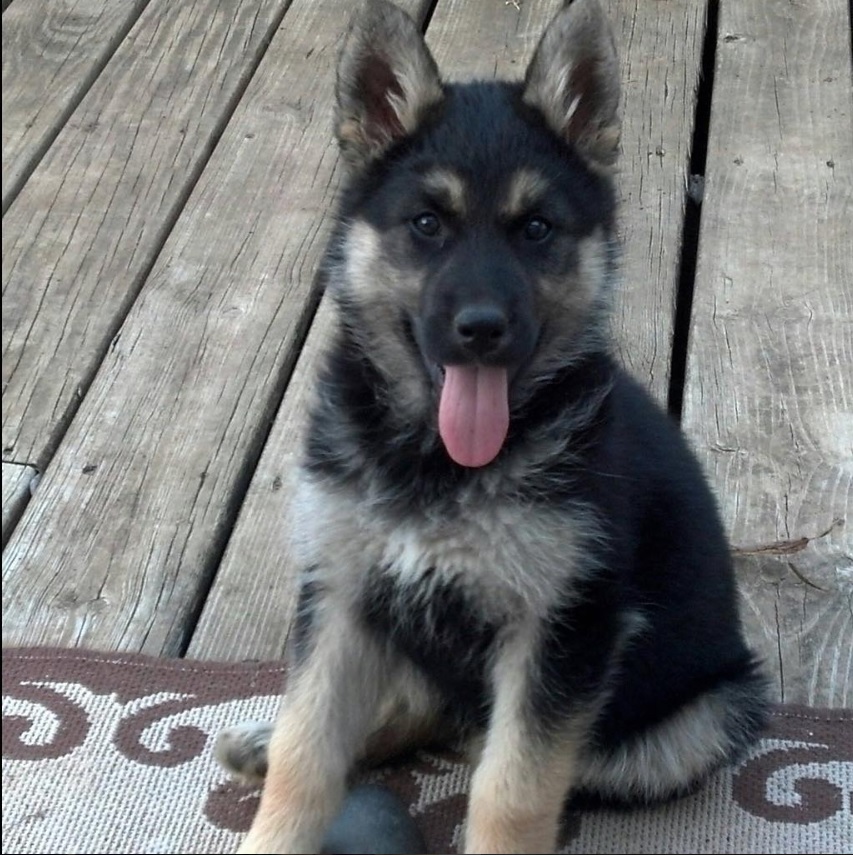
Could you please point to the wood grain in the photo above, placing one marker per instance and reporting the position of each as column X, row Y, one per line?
column 17, row 482
column 52, row 52
column 130, row 520
column 769, row 392
column 88, row 224
column 248, row 611
column 251, row 604
column 92, row 227
column 661, row 49
column 469, row 40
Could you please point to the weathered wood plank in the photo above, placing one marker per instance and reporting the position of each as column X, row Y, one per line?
column 17, row 482
column 769, row 393
column 469, row 40
column 52, row 52
column 249, row 610
column 115, row 548
column 661, row 48
column 86, row 227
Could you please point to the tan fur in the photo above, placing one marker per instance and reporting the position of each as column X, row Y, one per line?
column 578, row 307
column 510, row 560
column 450, row 187
column 525, row 189
column 573, row 80
column 344, row 692
column 376, row 285
column 323, row 724
column 419, row 92
column 521, row 779
column 409, row 717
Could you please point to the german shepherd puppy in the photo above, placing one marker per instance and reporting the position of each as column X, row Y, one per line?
column 504, row 539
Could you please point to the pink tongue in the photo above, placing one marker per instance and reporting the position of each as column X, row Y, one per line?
column 473, row 415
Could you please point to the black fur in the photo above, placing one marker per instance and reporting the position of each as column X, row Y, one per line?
column 430, row 636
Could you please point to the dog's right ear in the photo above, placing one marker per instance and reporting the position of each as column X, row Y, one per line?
column 387, row 80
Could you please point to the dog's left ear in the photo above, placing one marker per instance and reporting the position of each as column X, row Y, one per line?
column 573, row 80
column 387, row 81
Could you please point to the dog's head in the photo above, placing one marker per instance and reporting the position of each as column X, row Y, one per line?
column 473, row 258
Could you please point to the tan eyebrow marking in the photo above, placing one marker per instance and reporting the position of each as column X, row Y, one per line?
column 450, row 187
column 525, row 188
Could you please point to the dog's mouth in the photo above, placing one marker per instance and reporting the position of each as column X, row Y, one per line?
column 473, row 407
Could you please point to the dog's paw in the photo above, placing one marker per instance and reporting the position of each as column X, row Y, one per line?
column 242, row 750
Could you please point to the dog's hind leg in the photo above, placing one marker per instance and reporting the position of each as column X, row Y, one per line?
column 410, row 718
column 328, row 711
column 675, row 755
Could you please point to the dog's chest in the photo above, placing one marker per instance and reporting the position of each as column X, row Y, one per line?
column 502, row 558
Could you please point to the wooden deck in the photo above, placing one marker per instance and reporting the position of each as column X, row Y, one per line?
column 168, row 171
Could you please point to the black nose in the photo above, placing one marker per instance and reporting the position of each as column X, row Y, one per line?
column 481, row 329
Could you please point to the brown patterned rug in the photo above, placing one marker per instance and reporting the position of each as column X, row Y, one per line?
column 111, row 753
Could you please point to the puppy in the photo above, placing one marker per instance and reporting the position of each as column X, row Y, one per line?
column 504, row 539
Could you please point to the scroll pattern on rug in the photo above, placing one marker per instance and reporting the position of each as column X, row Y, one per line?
column 112, row 753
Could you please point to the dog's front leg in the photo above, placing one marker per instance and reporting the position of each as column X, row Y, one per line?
column 524, row 771
column 328, row 710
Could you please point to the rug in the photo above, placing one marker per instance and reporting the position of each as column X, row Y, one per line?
column 112, row 753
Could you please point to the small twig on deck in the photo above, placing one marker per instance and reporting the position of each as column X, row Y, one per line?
column 777, row 547
column 789, row 547
column 785, row 547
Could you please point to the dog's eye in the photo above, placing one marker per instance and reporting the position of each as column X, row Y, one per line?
column 536, row 229
column 427, row 224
